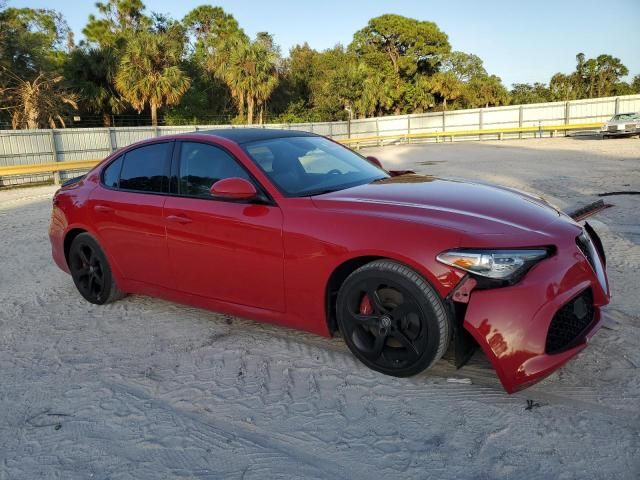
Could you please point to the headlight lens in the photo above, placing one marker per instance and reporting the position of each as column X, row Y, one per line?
column 495, row 264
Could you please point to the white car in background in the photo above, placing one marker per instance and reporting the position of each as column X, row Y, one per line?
column 621, row 124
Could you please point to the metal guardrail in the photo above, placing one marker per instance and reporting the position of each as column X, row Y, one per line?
column 474, row 133
column 46, row 167
column 358, row 141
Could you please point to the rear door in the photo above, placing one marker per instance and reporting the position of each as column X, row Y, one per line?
column 127, row 213
column 225, row 250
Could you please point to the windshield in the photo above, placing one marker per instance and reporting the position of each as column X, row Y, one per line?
column 305, row 166
column 626, row 116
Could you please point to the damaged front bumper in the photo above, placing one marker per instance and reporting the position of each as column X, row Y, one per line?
column 530, row 329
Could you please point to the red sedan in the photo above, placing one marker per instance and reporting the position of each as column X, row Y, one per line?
column 295, row 229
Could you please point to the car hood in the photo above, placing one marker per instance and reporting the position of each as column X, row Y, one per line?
column 465, row 206
column 623, row 122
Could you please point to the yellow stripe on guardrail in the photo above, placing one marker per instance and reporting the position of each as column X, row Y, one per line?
column 459, row 133
column 47, row 167
column 88, row 164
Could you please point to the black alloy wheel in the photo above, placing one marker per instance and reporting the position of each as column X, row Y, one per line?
column 91, row 272
column 392, row 319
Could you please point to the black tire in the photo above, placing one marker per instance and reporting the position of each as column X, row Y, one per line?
column 91, row 272
column 401, row 328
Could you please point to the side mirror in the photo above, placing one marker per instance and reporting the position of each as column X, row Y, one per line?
column 375, row 161
column 233, row 188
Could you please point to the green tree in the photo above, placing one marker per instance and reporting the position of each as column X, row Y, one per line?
column 336, row 83
column 251, row 75
column 31, row 40
column 523, row 93
column 91, row 73
column 210, row 26
column 216, row 37
column 565, row 87
column 149, row 73
column 398, row 48
column 409, row 44
column 486, row 90
column 419, row 96
column 635, row 84
column 32, row 43
column 465, row 66
column 447, row 86
column 599, row 76
column 118, row 18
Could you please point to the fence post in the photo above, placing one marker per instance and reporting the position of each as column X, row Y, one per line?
column 409, row 128
column 520, row 118
column 617, row 108
column 480, row 122
column 349, row 127
column 109, row 133
column 444, row 122
column 54, row 152
column 377, row 131
column 566, row 112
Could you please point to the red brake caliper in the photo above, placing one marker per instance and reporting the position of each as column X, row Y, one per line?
column 365, row 305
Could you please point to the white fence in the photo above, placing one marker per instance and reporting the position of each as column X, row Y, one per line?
column 22, row 147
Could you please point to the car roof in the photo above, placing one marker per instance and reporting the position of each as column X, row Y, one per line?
column 245, row 135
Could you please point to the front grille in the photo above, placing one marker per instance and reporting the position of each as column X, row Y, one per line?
column 630, row 126
column 570, row 323
column 613, row 128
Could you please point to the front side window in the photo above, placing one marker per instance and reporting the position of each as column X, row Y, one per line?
column 304, row 166
column 202, row 165
column 145, row 169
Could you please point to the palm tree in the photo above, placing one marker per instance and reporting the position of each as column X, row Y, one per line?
column 250, row 73
column 149, row 72
column 447, row 85
column 226, row 65
column 266, row 76
column 91, row 73
column 40, row 102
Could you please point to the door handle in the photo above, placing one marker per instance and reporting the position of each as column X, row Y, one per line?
column 103, row 209
column 179, row 219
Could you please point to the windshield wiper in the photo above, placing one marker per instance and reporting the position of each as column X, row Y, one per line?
column 322, row 192
column 378, row 179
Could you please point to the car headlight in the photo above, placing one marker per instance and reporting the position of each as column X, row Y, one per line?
column 506, row 265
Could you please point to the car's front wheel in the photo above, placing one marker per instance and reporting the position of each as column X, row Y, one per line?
column 91, row 272
column 392, row 319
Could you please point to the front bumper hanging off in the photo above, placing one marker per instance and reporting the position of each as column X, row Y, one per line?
column 530, row 329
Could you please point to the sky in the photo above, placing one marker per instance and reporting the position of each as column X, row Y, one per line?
column 518, row 41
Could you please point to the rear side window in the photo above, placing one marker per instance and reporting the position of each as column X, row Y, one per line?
column 202, row 165
column 111, row 174
column 145, row 169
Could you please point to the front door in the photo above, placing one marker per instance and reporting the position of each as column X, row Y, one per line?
column 218, row 249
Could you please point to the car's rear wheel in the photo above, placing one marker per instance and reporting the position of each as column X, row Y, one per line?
column 91, row 272
column 392, row 319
